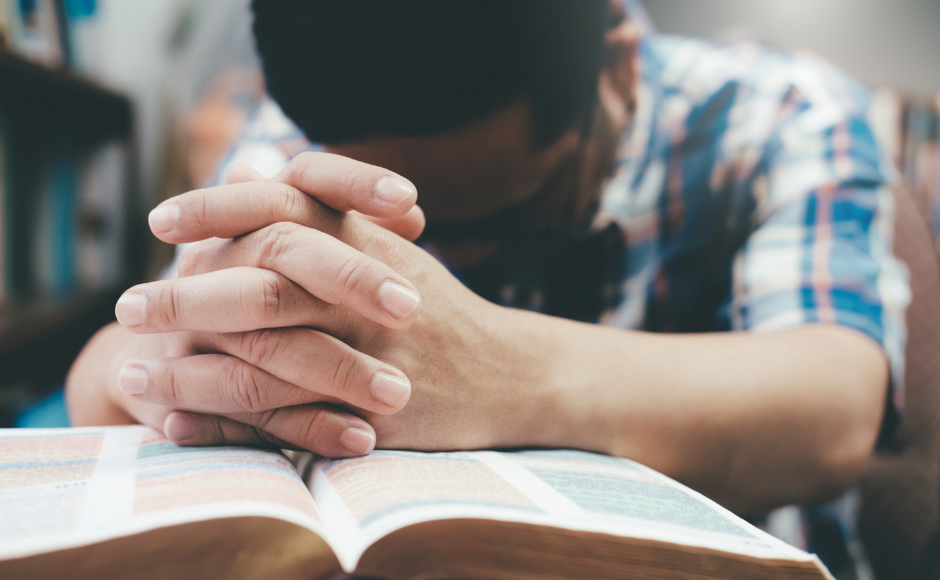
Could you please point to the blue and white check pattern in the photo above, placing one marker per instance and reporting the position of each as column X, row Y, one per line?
column 752, row 195
column 753, row 176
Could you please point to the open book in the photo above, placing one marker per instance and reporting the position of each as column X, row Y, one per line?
column 123, row 502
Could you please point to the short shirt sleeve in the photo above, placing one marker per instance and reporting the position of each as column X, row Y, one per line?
column 820, row 249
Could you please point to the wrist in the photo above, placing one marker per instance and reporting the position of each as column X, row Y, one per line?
column 567, row 400
column 534, row 407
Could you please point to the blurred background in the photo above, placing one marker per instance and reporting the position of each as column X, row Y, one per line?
column 880, row 42
column 107, row 107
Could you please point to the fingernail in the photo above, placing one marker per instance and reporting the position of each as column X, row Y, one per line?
column 390, row 389
column 131, row 309
column 132, row 380
column 398, row 300
column 358, row 441
column 164, row 217
column 393, row 190
column 178, row 428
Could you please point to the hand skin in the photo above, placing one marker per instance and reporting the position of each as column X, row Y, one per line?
column 95, row 381
column 753, row 420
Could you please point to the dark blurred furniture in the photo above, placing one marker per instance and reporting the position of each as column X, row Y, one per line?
column 40, row 335
column 900, row 518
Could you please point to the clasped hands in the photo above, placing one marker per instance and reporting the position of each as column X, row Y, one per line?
column 306, row 318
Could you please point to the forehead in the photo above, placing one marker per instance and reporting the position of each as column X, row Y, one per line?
column 470, row 172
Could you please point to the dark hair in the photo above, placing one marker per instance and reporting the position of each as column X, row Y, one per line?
column 345, row 70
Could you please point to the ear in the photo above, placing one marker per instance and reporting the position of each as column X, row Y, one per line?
column 621, row 74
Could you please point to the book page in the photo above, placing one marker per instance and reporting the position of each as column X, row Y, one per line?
column 624, row 497
column 67, row 487
column 366, row 498
column 362, row 499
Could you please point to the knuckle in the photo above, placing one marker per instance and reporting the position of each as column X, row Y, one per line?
column 261, row 300
column 300, row 164
column 260, row 422
column 234, row 433
column 247, row 394
column 280, row 202
column 275, row 243
column 265, row 439
column 305, row 169
column 173, row 388
column 201, row 210
column 314, row 429
column 343, row 373
column 170, row 301
column 196, row 257
column 264, row 419
column 188, row 261
column 344, row 175
column 271, row 296
column 357, row 271
column 383, row 245
column 351, row 180
column 259, row 346
column 213, row 428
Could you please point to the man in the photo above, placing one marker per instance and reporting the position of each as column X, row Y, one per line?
column 706, row 232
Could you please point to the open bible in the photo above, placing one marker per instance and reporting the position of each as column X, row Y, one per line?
column 123, row 502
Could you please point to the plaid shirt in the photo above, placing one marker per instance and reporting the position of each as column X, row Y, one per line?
column 752, row 196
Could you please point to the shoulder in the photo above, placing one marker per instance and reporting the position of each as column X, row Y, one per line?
column 697, row 70
column 751, row 108
column 267, row 142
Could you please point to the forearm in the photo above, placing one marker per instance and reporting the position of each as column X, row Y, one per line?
column 753, row 420
column 87, row 385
